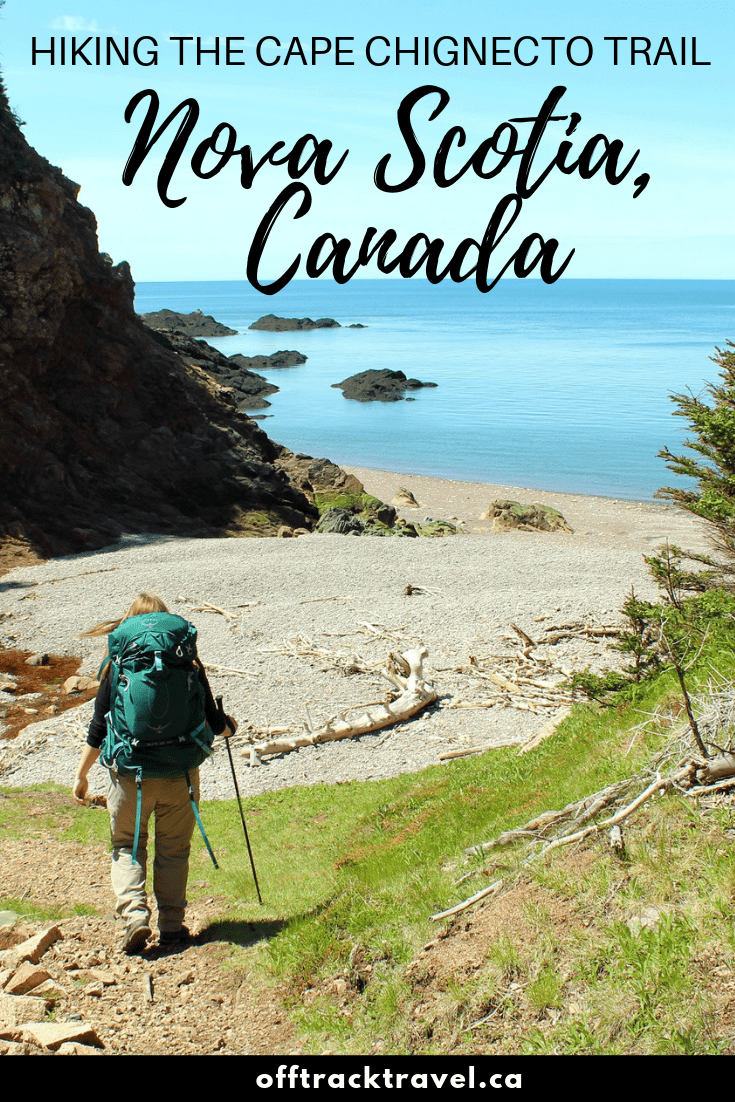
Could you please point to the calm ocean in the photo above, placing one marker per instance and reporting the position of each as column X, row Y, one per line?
column 562, row 387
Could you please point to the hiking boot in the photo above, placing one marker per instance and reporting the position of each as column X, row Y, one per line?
column 172, row 937
column 136, row 935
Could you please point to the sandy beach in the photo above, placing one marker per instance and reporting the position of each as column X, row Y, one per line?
column 295, row 630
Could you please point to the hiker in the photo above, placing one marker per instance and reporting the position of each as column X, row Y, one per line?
column 160, row 776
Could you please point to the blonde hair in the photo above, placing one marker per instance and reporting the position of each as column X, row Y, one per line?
column 143, row 603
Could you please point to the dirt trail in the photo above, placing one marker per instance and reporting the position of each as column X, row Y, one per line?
column 181, row 1000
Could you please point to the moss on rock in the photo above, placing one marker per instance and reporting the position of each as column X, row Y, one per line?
column 507, row 514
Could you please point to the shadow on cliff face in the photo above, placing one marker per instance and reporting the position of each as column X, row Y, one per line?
column 102, row 429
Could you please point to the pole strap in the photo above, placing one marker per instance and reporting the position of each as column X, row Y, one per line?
column 138, row 808
column 200, row 824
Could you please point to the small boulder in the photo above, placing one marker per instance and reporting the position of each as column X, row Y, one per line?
column 341, row 522
column 52, row 1035
column 25, row 978
column 16, row 1010
column 527, row 518
column 434, row 529
column 77, row 684
column 33, row 948
column 404, row 498
column 386, row 514
column 37, row 660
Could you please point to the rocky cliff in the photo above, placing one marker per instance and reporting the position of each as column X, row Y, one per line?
column 103, row 429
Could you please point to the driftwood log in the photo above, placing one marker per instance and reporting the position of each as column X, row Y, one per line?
column 405, row 674
column 717, row 768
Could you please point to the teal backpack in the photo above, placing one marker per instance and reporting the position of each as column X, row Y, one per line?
column 156, row 726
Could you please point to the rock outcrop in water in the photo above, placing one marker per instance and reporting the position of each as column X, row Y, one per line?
column 248, row 388
column 272, row 324
column 379, row 385
column 103, row 428
column 195, row 324
column 285, row 358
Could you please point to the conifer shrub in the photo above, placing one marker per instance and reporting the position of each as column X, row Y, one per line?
column 711, row 463
column 695, row 614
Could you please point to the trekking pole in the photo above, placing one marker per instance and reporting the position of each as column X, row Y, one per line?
column 239, row 802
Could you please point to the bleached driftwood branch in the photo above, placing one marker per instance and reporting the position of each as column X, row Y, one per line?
column 492, row 889
column 531, row 683
column 229, row 669
column 573, row 823
column 545, row 731
column 303, row 646
column 404, row 672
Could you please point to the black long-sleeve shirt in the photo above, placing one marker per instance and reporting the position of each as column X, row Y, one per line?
column 98, row 725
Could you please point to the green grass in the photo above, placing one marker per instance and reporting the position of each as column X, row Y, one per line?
column 49, row 809
column 332, row 846
column 366, row 864
column 30, row 910
column 350, row 875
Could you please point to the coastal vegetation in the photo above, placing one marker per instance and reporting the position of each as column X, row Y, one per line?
column 711, row 463
column 586, row 950
column 697, row 606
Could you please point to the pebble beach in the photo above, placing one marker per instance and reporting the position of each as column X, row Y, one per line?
column 295, row 631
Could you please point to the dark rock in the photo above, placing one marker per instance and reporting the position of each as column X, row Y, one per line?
column 344, row 506
column 263, row 363
column 271, row 324
column 195, row 324
column 104, row 427
column 321, row 480
column 378, row 385
column 357, row 325
column 341, row 522
column 386, row 514
column 248, row 388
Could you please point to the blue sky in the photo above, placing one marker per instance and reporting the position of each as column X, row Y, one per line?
column 680, row 117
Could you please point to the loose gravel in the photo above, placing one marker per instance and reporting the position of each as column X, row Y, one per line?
column 341, row 596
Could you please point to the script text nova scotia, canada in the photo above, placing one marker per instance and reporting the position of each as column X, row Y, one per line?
column 471, row 257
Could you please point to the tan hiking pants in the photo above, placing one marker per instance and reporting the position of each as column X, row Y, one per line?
column 174, row 825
